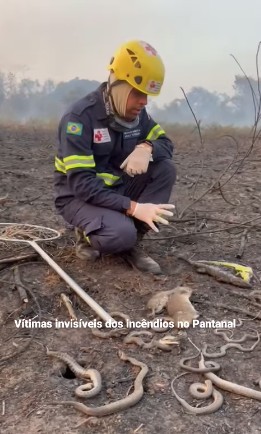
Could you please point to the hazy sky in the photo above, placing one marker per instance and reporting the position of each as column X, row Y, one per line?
column 64, row 39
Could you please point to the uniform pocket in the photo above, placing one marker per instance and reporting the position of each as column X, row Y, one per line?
column 93, row 226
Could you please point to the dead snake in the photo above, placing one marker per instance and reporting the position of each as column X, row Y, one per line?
column 121, row 404
column 207, row 368
column 82, row 391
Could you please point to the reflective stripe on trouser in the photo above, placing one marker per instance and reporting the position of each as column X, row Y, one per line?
column 108, row 231
column 87, row 238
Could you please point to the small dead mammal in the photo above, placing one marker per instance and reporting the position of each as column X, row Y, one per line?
column 159, row 300
column 177, row 303
column 179, row 306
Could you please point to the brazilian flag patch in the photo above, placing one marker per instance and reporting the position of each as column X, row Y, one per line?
column 74, row 128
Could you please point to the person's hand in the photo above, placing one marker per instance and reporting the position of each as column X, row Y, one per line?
column 138, row 161
column 150, row 212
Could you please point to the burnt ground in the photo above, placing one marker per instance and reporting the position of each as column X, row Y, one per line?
column 31, row 380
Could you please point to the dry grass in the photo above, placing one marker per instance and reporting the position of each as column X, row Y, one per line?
column 31, row 125
column 175, row 131
column 180, row 133
column 52, row 280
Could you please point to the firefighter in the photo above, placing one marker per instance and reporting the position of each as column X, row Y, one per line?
column 114, row 171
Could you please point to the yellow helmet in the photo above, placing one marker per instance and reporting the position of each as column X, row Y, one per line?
column 138, row 63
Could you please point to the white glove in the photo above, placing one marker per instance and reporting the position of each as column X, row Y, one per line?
column 150, row 212
column 138, row 160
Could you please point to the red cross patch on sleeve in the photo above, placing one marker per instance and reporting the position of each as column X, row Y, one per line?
column 101, row 135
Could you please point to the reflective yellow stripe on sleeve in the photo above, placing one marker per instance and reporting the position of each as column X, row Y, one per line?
column 155, row 133
column 78, row 161
column 108, row 178
column 59, row 165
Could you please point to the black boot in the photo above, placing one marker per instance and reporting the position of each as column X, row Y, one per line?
column 138, row 259
column 83, row 249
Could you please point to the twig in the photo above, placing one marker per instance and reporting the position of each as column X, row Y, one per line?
column 201, row 225
column 194, row 345
column 242, row 243
column 256, row 293
column 201, row 142
column 3, row 407
column 194, row 116
column 31, row 263
column 20, row 350
column 248, row 152
column 254, row 97
column 257, row 73
column 3, row 199
column 247, row 297
column 211, row 231
column 233, row 309
column 34, row 331
column 89, row 419
column 255, row 135
column 223, row 196
column 123, row 380
column 215, row 219
column 18, row 258
column 30, row 200
column 19, row 286
column 257, row 110
column 68, row 304
column 212, row 186
column 137, row 429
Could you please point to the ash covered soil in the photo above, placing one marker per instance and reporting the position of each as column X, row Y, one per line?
column 209, row 229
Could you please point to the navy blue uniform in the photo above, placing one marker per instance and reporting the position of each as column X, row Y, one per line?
column 91, row 191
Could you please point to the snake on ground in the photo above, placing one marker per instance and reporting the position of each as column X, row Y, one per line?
column 232, row 340
column 82, row 391
column 228, row 385
column 121, row 404
column 232, row 344
column 164, row 343
column 200, row 390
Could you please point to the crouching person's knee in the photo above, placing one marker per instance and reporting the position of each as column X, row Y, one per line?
column 167, row 171
column 117, row 238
